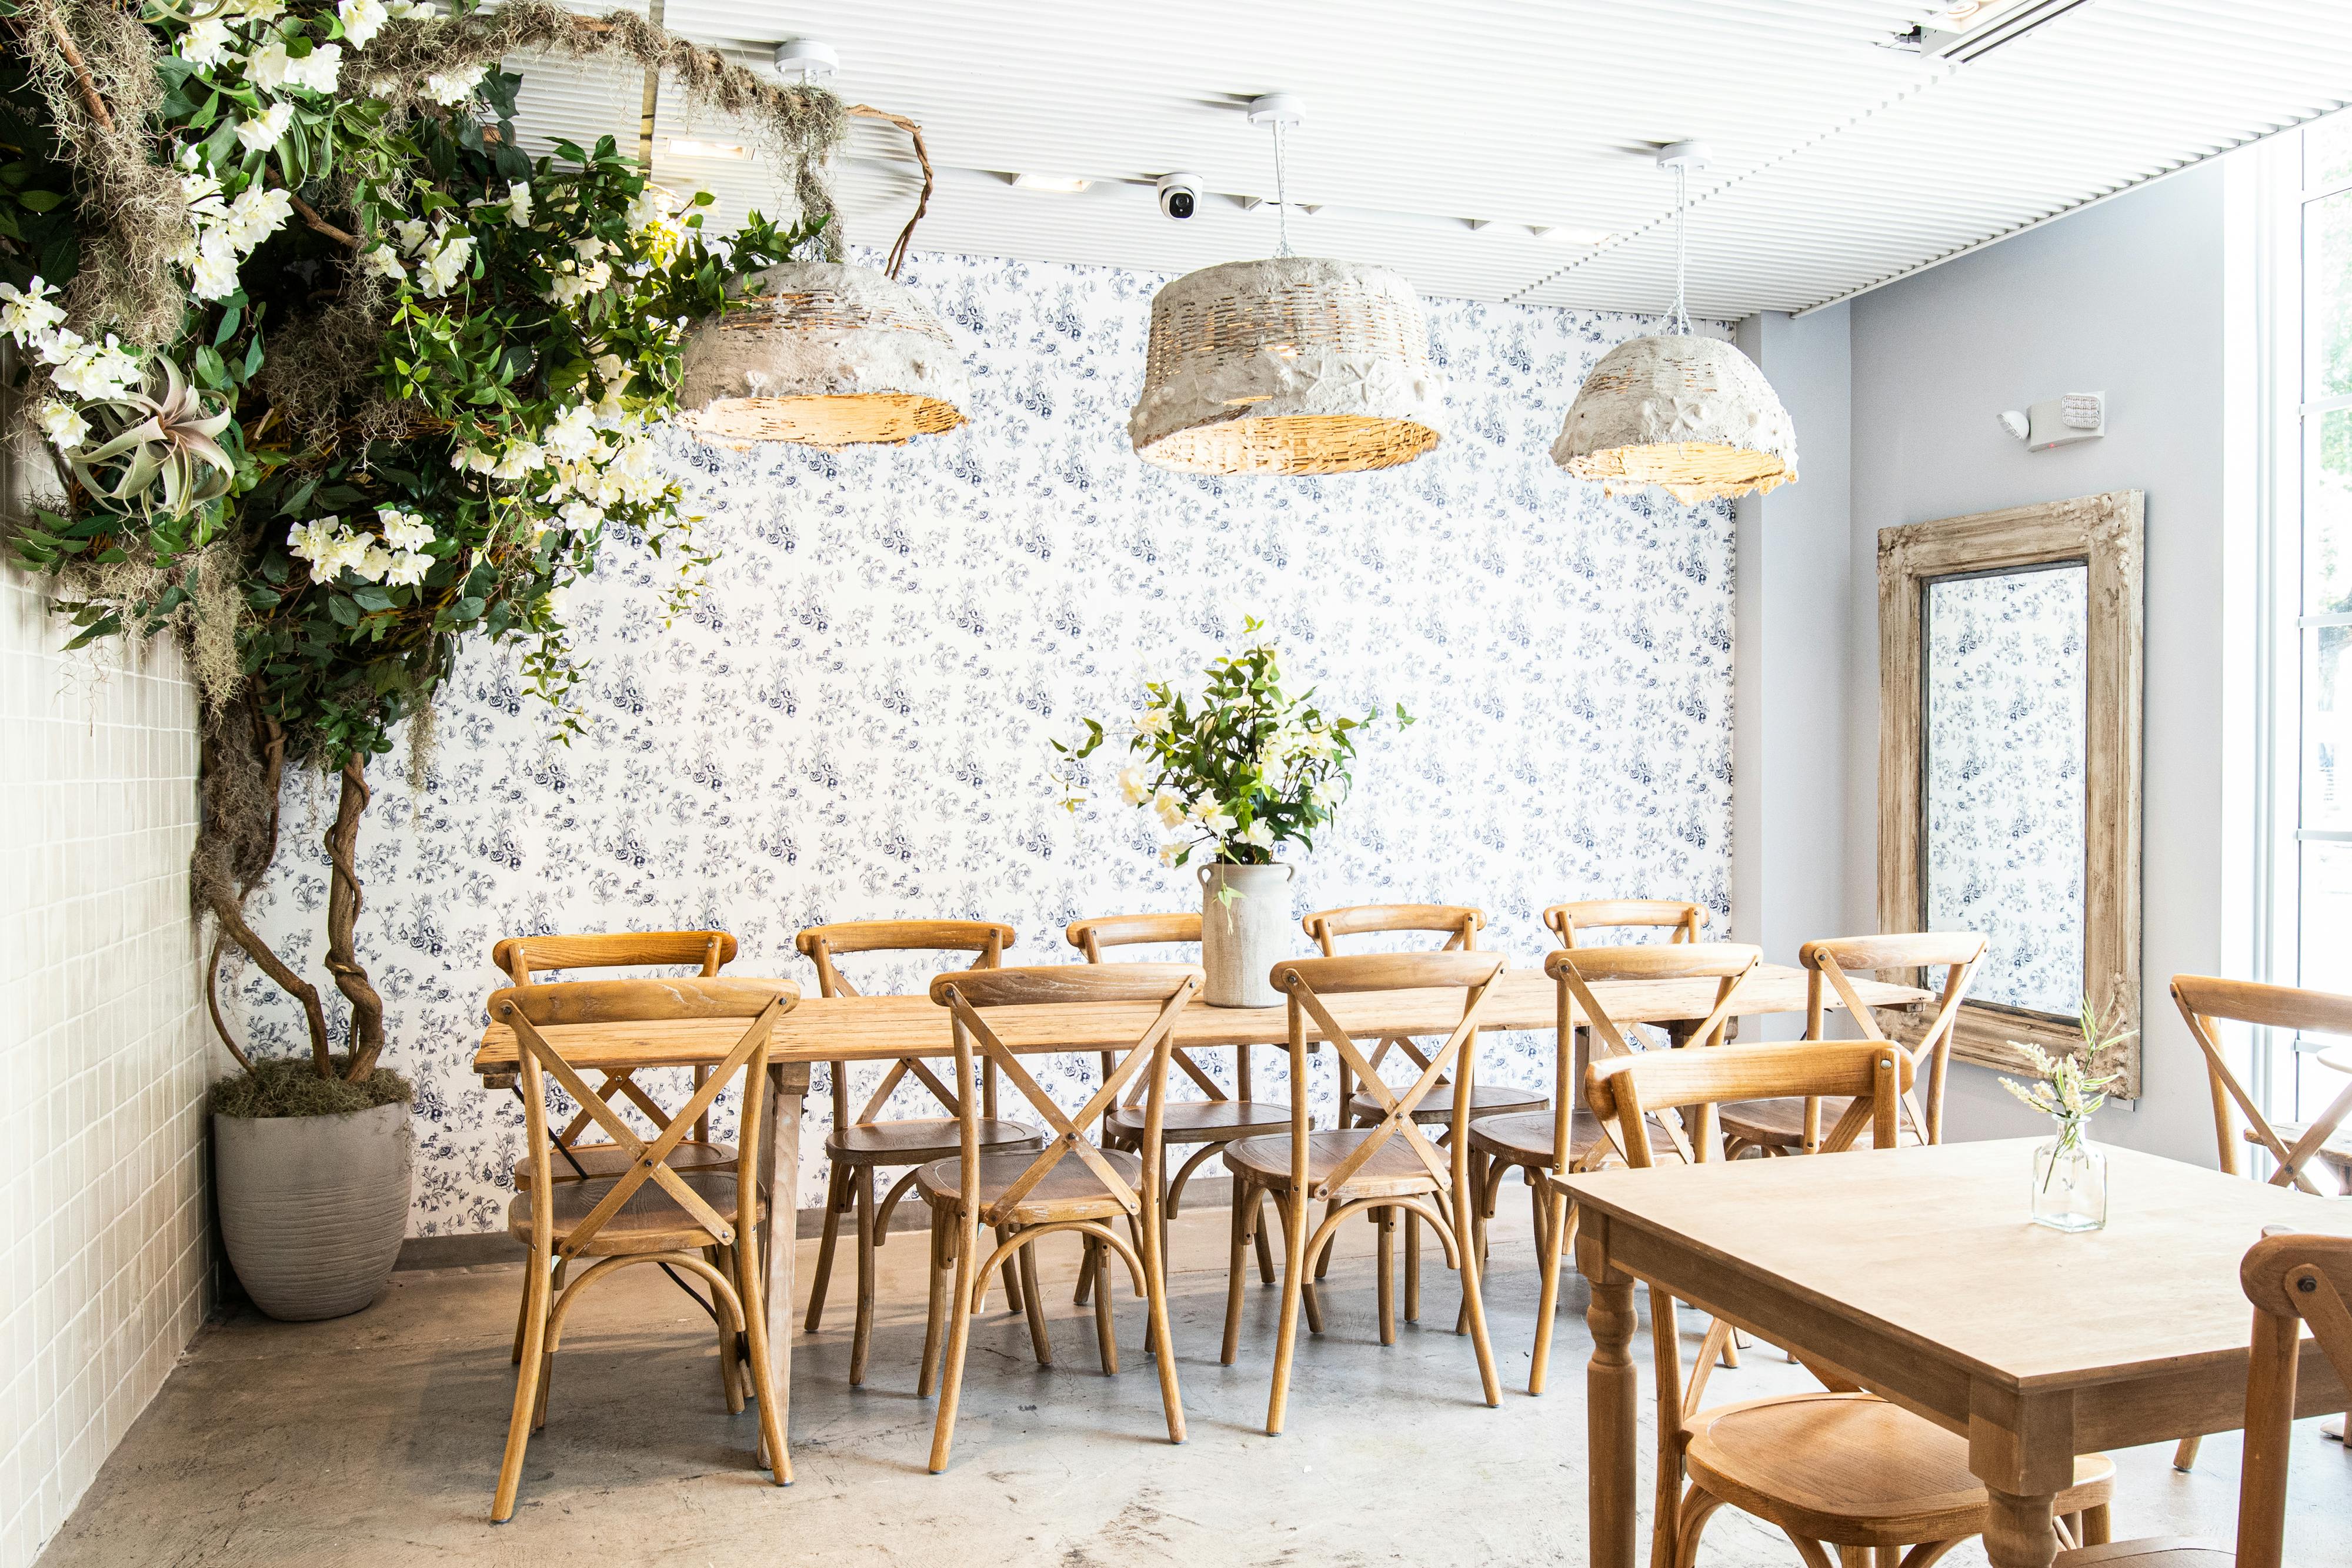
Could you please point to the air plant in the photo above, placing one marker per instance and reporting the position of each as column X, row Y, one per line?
column 164, row 454
column 2069, row 1087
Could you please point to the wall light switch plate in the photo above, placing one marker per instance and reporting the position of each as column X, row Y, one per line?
column 2062, row 421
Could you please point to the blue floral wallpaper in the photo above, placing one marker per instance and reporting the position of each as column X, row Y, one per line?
column 854, row 721
column 2008, row 678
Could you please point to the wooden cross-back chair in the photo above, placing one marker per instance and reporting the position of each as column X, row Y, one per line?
column 702, row 1221
column 2205, row 1001
column 1069, row 1185
column 1583, row 917
column 1791, row 1126
column 1839, row 1467
column 1568, row 1137
column 861, row 1142
column 1210, row 1124
column 2296, row 1283
column 1384, row 1170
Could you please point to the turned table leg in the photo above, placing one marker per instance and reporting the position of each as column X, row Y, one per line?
column 1609, row 1400
column 787, row 1083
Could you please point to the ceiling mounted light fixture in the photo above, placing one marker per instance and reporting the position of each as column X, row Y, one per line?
column 1292, row 365
column 823, row 354
column 1690, row 415
column 1569, row 235
column 689, row 147
column 1060, row 184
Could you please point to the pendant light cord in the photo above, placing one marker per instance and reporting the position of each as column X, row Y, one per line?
column 1281, row 195
column 1680, row 321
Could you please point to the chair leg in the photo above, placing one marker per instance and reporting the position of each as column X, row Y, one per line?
column 935, row 1314
column 1309, row 1298
column 1488, row 1378
column 862, row 1340
column 1246, row 1202
column 2184, row 1458
column 773, row 1452
column 1033, row 1302
column 2098, row 1525
column 1412, row 1266
column 1386, row 1220
column 967, row 1242
column 1294, row 1288
column 1323, row 1258
column 1265, row 1246
column 547, row 1354
column 1012, row 1272
column 835, row 1189
column 1560, row 1233
column 1098, row 1263
column 1154, row 1257
column 730, row 1371
column 1698, row 1507
column 526, row 1397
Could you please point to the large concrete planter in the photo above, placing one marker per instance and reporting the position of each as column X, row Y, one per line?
column 1244, row 935
column 313, row 1207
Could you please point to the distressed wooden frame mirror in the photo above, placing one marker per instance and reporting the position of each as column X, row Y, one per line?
column 2010, row 698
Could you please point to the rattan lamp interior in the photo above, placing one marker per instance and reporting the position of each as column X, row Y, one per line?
column 1293, row 365
column 1690, row 415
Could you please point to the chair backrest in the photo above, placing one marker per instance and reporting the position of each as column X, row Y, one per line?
column 2294, row 1282
column 821, row 944
column 523, row 958
column 1622, row 1091
column 1575, row 971
column 1306, row 981
column 1091, row 936
column 1569, row 921
column 970, row 997
column 1831, row 964
column 2207, row 1000
column 529, row 1010
column 1459, row 923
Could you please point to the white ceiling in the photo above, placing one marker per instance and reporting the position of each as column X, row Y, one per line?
column 1838, row 165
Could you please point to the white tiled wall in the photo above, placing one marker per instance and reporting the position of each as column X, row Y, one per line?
column 103, row 1057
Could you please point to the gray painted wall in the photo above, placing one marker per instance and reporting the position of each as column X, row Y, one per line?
column 2129, row 296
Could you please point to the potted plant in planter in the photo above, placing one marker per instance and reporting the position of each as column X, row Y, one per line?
column 333, row 380
column 1231, row 776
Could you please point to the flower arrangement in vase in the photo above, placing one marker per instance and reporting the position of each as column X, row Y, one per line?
column 1231, row 775
column 2070, row 1175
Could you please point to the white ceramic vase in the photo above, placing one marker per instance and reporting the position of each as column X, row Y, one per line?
column 1245, row 925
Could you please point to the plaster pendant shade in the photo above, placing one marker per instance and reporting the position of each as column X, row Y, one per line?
column 825, row 355
column 1692, row 415
column 1290, row 365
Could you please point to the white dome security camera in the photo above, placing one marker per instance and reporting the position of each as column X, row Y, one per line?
column 1179, row 195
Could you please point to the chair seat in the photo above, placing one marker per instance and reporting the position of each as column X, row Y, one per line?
column 1391, row 1172
column 919, row 1139
column 1853, row 1470
column 1527, row 1139
column 1780, row 1123
column 1206, row 1121
column 2337, row 1151
column 1437, row 1105
column 609, row 1160
column 1071, row 1190
column 2158, row 1552
column 651, row 1221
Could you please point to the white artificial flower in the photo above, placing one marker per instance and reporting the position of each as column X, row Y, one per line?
column 373, row 563
column 572, row 433
column 260, row 10
column 1259, row 833
column 326, row 544
column 413, row 235
column 318, row 70
column 361, row 20
column 404, row 529
column 611, row 367
column 650, row 207
column 383, row 261
column 441, row 268
column 588, row 247
column 579, row 516
column 558, row 599
column 63, row 425
column 261, row 134
column 30, row 312
column 56, row 347
column 454, row 87
column 1167, row 853
column 1211, row 817
column 407, row 569
column 473, row 457
column 405, row 10
column 1133, row 788
column 98, row 371
column 202, row 193
column 518, row 460
column 1169, row 807
column 269, row 66
column 519, row 203
column 207, row 43
column 1154, row 719
column 256, row 214
column 213, row 269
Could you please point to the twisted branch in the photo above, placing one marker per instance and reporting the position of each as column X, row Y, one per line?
column 922, row 156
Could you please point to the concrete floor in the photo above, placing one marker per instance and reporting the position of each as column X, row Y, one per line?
column 375, row 1439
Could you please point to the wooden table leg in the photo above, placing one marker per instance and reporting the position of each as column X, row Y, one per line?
column 2022, row 1449
column 1609, row 1400
column 2019, row 1530
column 787, row 1083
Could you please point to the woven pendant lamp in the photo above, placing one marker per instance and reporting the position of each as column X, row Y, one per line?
column 1690, row 415
column 1292, row 365
column 824, row 354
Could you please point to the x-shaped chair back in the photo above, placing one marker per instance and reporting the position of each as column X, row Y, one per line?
column 1831, row 962
column 524, row 958
column 2206, row 1000
column 970, row 995
column 2295, row 1282
column 821, row 944
column 529, row 1010
column 1571, row 920
column 1308, row 980
column 1091, row 936
column 1576, row 970
column 1458, row 924
column 1625, row 1090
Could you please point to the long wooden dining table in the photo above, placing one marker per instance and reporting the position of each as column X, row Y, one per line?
column 882, row 1029
column 1916, row 1274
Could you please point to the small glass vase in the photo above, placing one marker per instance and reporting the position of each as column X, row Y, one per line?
column 2070, row 1182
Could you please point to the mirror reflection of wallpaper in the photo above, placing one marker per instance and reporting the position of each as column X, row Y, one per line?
column 2005, row 676
column 853, row 721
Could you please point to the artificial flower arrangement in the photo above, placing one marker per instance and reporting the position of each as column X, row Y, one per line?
column 334, row 377
column 2068, row 1087
column 1237, row 771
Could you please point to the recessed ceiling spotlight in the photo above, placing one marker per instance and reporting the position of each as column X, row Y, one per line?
column 687, row 147
column 1060, row 184
column 806, row 60
column 1570, row 235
